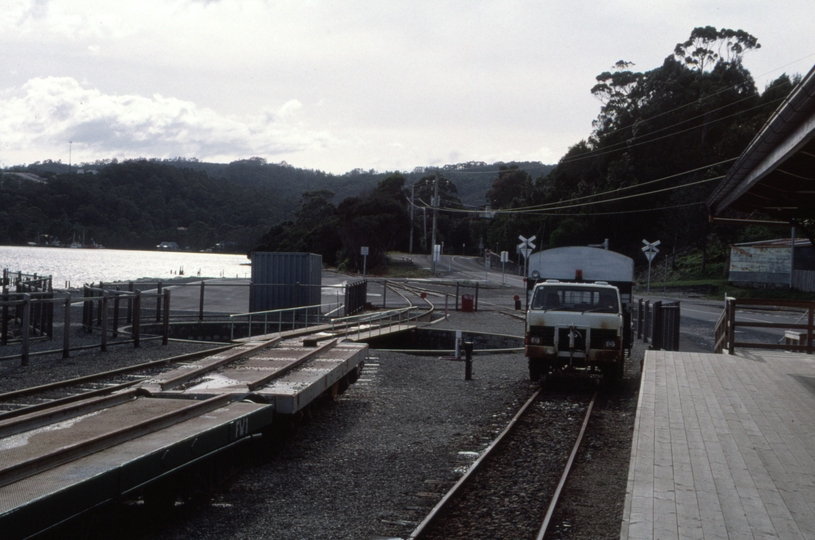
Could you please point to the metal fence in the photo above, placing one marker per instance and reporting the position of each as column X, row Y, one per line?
column 658, row 324
column 102, row 311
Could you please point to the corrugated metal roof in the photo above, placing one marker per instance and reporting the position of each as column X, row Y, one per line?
column 777, row 242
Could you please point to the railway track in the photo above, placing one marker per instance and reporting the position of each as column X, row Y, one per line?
column 504, row 494
column 37, row 398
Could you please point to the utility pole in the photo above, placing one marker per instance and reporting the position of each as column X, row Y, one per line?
column 435, row 212
column 424, row 226
column 411, row 217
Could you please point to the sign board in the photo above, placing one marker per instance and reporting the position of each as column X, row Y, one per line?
column 504, row 256
column 526, row 252
column 363, row 250
column 650, row 255
column 437, row 252
column 487, row 254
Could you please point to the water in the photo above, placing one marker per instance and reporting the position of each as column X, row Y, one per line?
column 78, row 266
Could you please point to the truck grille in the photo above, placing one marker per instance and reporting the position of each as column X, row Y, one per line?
column 545, row 333
column 599, row 337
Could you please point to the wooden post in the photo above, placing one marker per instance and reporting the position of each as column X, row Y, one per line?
column 476, row 297
column 731, row 325
column 66, row 332
column 26, row 328
column 810, row 330
column 136, row 319
column 165, row 338
column 86, row 310
column 99, row 309
column 115, row 332
column 201, row 303
column 103, row 304
column 456, row 295
column 4, row 317
column 158, row 302
column 385, row 294
column 49, row 320
column 130, row 304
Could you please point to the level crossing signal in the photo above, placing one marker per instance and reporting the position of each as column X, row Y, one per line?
column 650, row 249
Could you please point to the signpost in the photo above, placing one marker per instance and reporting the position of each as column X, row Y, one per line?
column 525, row 248
column 504, row 259
column 487, row 256
column 650, row 250
column 364, row 252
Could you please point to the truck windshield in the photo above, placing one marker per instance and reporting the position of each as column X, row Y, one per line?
column 566, row 298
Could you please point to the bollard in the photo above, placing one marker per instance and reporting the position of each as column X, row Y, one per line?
column 468, row 360
column 517, row 302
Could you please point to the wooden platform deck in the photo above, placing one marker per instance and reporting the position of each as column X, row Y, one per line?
column 724, row 447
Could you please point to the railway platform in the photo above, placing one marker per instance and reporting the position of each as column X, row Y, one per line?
column 724, row 447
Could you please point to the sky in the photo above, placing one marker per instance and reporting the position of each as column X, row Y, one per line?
column 339, row 85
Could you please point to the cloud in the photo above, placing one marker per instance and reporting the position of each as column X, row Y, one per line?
column 51, row 111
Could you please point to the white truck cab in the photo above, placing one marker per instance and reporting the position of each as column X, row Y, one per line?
column 573, row 325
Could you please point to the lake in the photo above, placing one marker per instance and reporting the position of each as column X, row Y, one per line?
column 75, row 267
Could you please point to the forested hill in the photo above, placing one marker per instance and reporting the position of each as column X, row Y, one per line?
column 473, row 179
column 137, row 204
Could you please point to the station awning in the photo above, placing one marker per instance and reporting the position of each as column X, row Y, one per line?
column 775, row 175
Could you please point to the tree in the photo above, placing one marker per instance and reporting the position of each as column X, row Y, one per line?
column 513, row 186
column 707, row 47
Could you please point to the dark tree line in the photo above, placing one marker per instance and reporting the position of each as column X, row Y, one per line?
column 136, row 205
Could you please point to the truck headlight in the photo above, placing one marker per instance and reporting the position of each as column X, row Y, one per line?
column 535, row 340
column 611, row 344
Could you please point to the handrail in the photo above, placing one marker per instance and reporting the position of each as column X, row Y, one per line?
column 253, row 317
column 725, row 329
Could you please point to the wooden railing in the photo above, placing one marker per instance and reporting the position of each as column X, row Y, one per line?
column 725, row 330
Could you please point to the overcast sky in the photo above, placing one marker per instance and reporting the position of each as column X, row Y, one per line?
column 337, row 85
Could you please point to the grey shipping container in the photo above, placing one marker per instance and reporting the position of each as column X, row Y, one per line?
column 285, row 280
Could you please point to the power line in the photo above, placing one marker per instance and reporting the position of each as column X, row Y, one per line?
column 626, row 188
column 597, row 153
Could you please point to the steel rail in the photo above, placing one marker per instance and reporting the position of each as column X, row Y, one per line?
column 104, row 374
column 29, row 409
column 556, row 497
column 58, row 412
column 434, row 513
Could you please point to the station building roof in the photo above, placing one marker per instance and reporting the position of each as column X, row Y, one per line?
column 775, row 175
